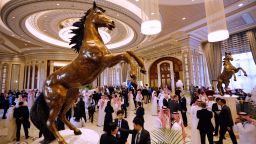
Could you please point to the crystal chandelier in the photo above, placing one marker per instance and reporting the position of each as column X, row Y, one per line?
column 216, row 20
column 151, row 23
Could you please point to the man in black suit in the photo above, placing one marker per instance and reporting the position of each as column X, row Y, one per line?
column 145, row 94
column 226, row 122
column 80, row 108
column 110, row 136
column 21, row 114
column 165, row 100
column 121, row 123
column 140, row 135
column 173, row 104
column 216, row 110
column 6, row 106
column 205, row 125
column 140, row 111
column 183, row 109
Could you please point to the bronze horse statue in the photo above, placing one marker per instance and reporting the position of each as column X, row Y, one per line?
column 228, row 71
column 61, row 88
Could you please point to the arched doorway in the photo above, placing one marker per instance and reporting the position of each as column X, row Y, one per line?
column 165, row 71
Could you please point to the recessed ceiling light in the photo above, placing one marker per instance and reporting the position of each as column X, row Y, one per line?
column 152, row 13
column 57, row 4
column 193, row 0
column 45, row 30
column 184, row 18
column 241, row 4
column 136, row 0
column 13, row 17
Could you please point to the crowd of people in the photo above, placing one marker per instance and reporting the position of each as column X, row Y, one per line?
column 16, row 106
column 209, row 116
column 205, row 112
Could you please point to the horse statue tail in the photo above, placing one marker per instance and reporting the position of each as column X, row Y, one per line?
column 39, row 115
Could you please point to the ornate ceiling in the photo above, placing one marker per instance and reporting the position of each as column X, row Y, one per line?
column 42, row 26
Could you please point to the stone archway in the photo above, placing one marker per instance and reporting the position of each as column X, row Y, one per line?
column 165, row 71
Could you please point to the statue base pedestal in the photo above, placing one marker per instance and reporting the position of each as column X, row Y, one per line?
column 87, row 137
column 231, row 103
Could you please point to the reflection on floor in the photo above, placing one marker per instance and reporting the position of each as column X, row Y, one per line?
column 149, row 125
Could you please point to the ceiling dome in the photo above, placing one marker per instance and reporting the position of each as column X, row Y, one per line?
column 49, row 22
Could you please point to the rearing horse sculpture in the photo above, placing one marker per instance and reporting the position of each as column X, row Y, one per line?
column 228, row 71
column 61, row 88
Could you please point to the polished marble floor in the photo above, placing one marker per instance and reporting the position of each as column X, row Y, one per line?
column 149, row 125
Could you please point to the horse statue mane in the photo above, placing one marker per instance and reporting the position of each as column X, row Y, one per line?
column 227, row 73
column 61, row 88
column 77, row 39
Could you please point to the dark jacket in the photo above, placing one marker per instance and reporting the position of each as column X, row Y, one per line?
column 173, row 105
column 215, row 109
column 144, row 137
column 79, row 110
column 183, row 104
column 204, row 123
column 144, row 92
column 122, row 138
column 225, row 117
column 108, row 139
column 108, row 116
column 21, row 114
column 165, row 102
column 140, row 112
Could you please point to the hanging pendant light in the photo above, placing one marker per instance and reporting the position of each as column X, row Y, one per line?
column 216, row 20
column 151, row 23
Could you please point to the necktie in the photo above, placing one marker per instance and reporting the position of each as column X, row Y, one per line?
column 137, row 139
column 119, row 124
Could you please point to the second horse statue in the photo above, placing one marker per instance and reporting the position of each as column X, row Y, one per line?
column 228, row 71
column 61, row 88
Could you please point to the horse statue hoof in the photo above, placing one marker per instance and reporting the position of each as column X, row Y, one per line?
column 234, row 79
column 62, row 142
column 77, row 132
column 143, row 71
column 245, row 74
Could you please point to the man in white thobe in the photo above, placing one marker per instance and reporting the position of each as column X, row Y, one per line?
column 195, row 135
column 101, row 113
column 247, row 131
column 161, row 98
column 210, row 103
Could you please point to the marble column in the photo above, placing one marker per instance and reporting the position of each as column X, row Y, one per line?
column 28, row 78
column 33, row 75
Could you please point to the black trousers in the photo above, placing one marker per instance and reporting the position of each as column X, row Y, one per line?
column 209, row 136
column 25, row 126
column 184, row 118
column 91, row 116
column 68, row 114
column 135, row 103
column 5, row 111
column 125, row 110
column 217, row 124
column 84, row 117
column 223, row 131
